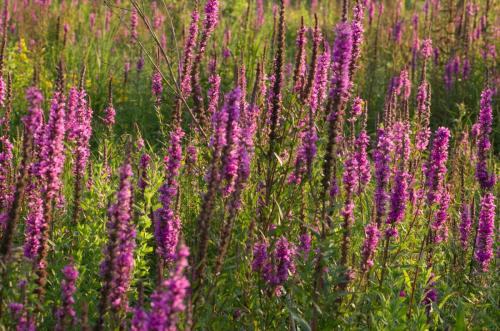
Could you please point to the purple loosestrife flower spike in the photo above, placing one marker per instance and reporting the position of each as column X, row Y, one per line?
column 259, row 256
column 357, row 37
column 168, row 301
column 404, row 80
column 342, row 52
column 140, row 64
column 357, row 108
column 334, row 189
column 125, row 230
column 382, row 171
column 435, row 167
column 423, row 113
column 3, row 91
column 414, row 22
column 436, row 55
column 259, row 8
column 72, row 105
column 118, row 263
column 318, row 93
column 284, row 255
column 6, row 156
column 431, row 294
column 134, row 23
column 350, row 178
column 448, row 75
column 248, row 126
column 24, row 322
column 140, row 320
column 305, row 244
column 485, row 232
column 109, row 112
column 269, row 100
column 50, row 168
column 211, row 17
column 143, row 168
column 315, row 65
column 33, row 123
column 465, row 225
column 213, row 93
column 66, row 313
column 187, row 63
column 209, row 23
column 157, row 85
column 439, row 224
column 339, row 93
column 299, row 74
column 466, row 69
column 372, row 236
column 306, row 152
column 83, row 131
column 140, row 317
column 52, row 157
column 219, row 126
column 109, row 115
column 126, row 70
column 362, row 143
column 7, row 190
column 426, row 48
column 34, row 221
column 399, row 197
column 485, row 121
column 167, row 223
column 397, row 31
column 276, row 94
column 245, row 151
column 191, row 157
column 274, row 268
column 107, row 20
column 139, row 144
column 230, row 152
column 5, row 19
column 158, row 17
column 401, row 141
column 34, row 119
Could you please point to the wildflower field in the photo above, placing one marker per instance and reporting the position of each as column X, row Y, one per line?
column 249, row 165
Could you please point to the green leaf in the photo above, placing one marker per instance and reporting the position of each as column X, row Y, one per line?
column 446, row 298
column 407, row 280
column 298, row 319
column 460, row 320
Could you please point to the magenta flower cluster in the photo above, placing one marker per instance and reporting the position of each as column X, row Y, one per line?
column 168, row 301
column 486, row 232
column 341, row 59
column 167, row 223
column 188, row 54
column 486, row 180
column 52, row 149
column 382, row 158
column 372, row 236
column 435, row 168
column 68, row 289
column 118, row 260
column 276, row 266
